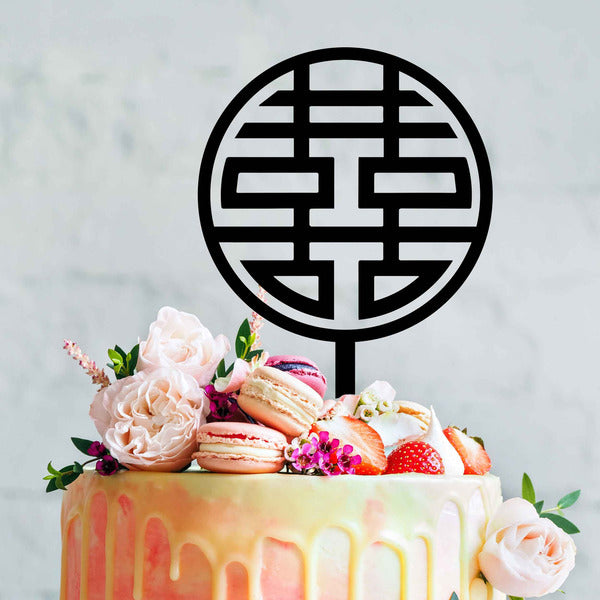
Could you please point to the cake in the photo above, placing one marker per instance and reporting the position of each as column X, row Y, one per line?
column 375, row 500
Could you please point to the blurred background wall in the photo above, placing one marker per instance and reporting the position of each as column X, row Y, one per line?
column 104, row 112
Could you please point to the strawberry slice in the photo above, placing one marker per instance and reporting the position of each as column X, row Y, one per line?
column 415, row 457
column 363, row 438
column 472, row 452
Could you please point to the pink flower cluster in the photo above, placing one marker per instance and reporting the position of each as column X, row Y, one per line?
column 106, row 464
column 222, row 405
column 98, row 376
column 322, row 456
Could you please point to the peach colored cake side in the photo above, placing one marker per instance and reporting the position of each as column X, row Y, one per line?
column 204, row 536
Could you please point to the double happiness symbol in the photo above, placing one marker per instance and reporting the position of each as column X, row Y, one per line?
column 354, row 188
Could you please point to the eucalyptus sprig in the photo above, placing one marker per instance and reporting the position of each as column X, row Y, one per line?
column 554, row 514
column 123, row 363
column 60, row 479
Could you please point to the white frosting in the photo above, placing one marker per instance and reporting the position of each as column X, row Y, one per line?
column 394, row 427
column 434, row 436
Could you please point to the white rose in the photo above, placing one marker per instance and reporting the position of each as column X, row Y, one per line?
column 149, row 421
column 178, row 339
column 525, row 555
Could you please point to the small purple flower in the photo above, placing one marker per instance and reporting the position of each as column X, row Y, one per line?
column 107, row 465
column 347, row 461
column 303, row 458
column 328, row 464
column 222, row 406
column 324, row 445
column 97, row 449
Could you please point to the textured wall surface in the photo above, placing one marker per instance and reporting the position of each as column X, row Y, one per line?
column 104, row 111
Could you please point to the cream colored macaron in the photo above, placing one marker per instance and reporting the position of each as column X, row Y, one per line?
column 279, row 400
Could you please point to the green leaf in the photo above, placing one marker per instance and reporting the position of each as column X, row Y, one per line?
column 479, row 441
column 454, row 596
column 48, row 477
column 229, row 369
column 77, row 468
column 51, row 487
column 121, row 352
column 51, row 469
column 58, row 482
column 132, row 366
column 69, row 478
column 81, row 444
column 115, row 356
column 561, row 522
column 253, row 353
column 515, row 598
column 538, row 506
column 569, row 499
column 243, row 334
column 221, row 368
column 527, row 490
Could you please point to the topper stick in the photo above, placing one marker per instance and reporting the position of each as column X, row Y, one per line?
column 345, row 367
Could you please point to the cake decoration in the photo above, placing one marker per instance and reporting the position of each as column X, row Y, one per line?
column 415, row 457
column 105, row 464
column 320, row 455
column 405, row 508
column 240, row 448
column 260, row 416
column 303, row 369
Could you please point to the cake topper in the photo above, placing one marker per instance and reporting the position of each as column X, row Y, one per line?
column 354, row 188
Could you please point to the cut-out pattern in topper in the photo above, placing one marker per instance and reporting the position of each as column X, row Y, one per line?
column 356, row 235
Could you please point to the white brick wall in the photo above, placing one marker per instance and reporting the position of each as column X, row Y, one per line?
column 104, row 111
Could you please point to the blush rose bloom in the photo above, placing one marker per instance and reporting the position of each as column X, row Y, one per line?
column 149, row 421
column 178, row 339
column 525, row 555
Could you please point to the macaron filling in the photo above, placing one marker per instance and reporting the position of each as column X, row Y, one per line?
column 238, row 449
column 294, row 366
column 286, row 398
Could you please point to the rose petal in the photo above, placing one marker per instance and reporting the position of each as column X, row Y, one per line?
column 233, row 382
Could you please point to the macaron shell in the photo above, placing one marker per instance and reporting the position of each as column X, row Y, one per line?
column 229, row 447
column 280, row 400
column 310, row 376
column 247, row 435
column 229, row 464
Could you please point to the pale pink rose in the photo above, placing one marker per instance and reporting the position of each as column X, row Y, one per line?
column 178, row 339
column 525, row 555
column 149, row 421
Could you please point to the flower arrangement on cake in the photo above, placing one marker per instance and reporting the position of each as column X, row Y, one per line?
column 175, row 400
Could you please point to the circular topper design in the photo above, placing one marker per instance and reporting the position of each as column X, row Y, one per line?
column 352, row 171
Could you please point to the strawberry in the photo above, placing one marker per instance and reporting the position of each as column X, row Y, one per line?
column 415, row 457
column 363, row 438
column 471, row 451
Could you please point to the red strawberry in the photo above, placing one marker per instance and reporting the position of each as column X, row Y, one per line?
column 363, row 438
column 415, row 457
column 472, row 452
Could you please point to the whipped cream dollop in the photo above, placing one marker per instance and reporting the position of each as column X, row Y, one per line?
column 434, row 436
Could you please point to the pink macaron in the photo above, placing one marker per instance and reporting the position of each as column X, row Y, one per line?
column 279, row 400
column 228, row 447
column 301, row 368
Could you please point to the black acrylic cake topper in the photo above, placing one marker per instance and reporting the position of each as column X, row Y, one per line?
column 432, row 280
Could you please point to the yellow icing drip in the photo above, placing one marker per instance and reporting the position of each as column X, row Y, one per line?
column 228, row 517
